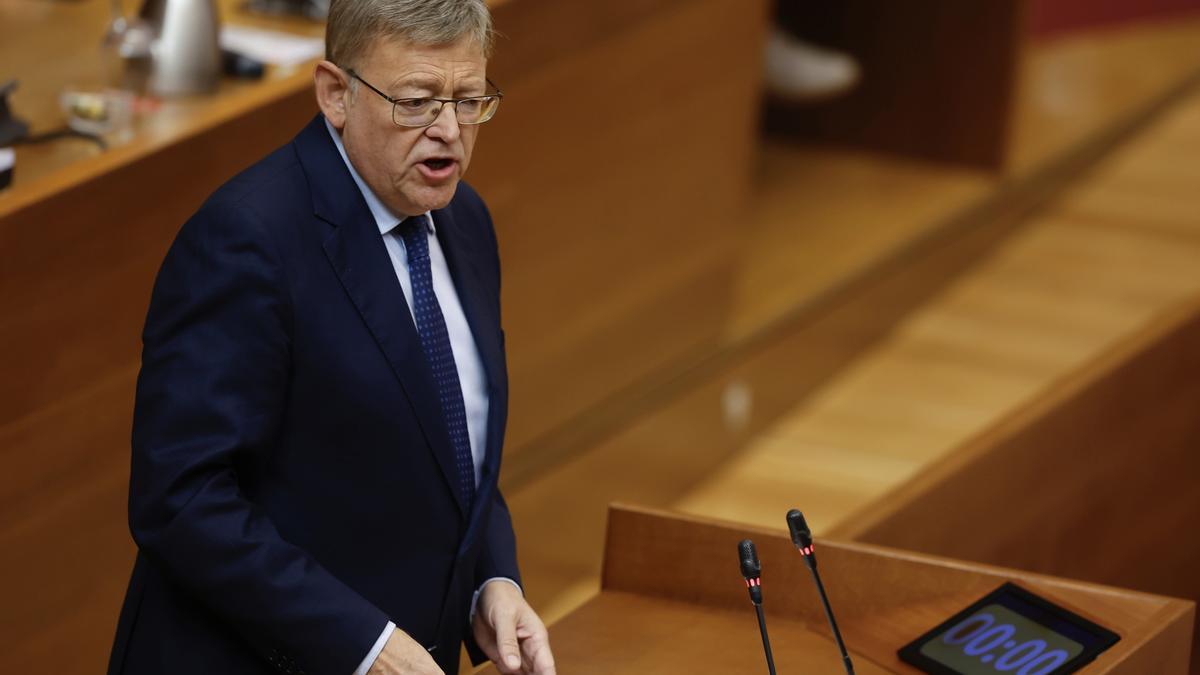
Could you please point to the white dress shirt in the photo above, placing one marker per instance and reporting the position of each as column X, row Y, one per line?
column 471, row 375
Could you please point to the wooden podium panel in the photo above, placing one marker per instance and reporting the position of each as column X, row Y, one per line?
column 673, row 600
column 621, row 632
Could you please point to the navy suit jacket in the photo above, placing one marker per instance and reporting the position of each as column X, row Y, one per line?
column 293, row 483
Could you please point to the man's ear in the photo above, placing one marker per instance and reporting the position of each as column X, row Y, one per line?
column 333, row 92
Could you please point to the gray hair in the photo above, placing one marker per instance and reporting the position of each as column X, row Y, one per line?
column 353, row 25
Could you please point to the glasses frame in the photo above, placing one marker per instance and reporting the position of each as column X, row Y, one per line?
column 498, row 95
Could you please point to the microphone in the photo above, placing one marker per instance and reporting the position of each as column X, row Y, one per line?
column 801, row 536
column 802, row 539
column 751, row 572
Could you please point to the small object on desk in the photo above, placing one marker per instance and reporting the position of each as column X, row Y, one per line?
column 185, row 58
column 8, row 161
column 97, row 112
column 1006, row 630
column 241, row 66
column 276, row 48
column 11, row 128
column 134, row 47
column 117, row 24
column 317, row 10
column 169, row 48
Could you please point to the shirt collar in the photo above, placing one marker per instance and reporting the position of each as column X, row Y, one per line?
column 385, row 219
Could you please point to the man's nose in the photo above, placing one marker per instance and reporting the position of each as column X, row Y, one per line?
column 445, row 125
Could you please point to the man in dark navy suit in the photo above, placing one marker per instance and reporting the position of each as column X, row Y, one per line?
column 323, row 393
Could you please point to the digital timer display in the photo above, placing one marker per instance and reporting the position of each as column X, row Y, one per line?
column 1004, row 640
column 1009, row 631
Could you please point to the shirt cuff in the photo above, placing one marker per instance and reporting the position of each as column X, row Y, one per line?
column 374, row 653
column 475, row 598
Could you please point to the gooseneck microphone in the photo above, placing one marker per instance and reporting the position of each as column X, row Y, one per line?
column 802, row 538
column 752, row 572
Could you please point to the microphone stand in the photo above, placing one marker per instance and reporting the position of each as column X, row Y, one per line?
column 762, row 628
column 811, row 561
column 802, row 538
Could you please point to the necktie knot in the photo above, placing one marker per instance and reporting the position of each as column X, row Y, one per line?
column 415, row 233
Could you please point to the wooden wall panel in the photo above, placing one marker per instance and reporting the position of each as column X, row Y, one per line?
column 79, row 266
column 618, row 178
column 65, row 550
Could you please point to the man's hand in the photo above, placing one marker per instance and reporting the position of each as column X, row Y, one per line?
column 403, row 655
column 510, row 632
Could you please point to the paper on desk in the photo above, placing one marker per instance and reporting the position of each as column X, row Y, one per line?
column 270, row 46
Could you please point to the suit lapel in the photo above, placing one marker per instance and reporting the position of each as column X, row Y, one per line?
column 359, row 257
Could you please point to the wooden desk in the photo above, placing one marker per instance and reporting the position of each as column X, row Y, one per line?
column 49, row 46
column 672, row 602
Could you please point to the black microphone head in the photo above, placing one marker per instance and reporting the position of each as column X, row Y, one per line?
column 751, row 568
column 801, row 535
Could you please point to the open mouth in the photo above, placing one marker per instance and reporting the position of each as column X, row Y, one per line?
column 438, row 170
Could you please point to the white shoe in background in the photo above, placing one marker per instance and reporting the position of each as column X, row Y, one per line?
column 802, row 71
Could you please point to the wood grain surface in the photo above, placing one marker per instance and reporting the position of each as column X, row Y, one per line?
column 620, row 632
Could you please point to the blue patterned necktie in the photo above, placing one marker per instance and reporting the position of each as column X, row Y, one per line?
column 435, row 341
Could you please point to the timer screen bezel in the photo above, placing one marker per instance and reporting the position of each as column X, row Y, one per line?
column 1097, row 639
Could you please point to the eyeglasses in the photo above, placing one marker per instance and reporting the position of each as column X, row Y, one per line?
column 424, row 111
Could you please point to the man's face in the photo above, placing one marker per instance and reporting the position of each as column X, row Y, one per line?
column 413, row 170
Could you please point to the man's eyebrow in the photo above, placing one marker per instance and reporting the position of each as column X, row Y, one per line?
column 428, row 82
column 474, row 85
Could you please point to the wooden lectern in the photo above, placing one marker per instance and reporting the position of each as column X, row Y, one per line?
column 673, row 601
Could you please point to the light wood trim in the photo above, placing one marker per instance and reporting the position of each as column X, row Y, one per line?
column 1123, row 429
column 1178, row 326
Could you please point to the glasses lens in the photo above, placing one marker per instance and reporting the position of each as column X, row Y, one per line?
column 468, row 110
column 477, row 110
column 421, row 112
column 415, row 112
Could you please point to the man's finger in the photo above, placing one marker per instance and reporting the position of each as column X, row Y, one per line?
column 538, row 658
column 486, row 640
column 506, row 641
